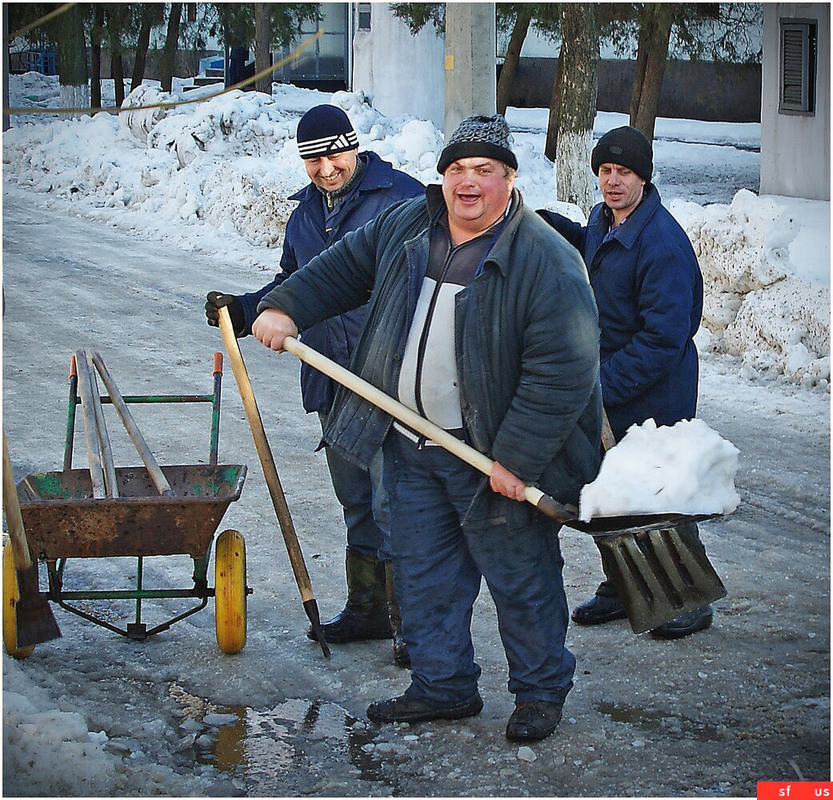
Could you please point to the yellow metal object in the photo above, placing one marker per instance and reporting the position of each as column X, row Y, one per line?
column 10, row 597
column 230, row 591
column 449, row 62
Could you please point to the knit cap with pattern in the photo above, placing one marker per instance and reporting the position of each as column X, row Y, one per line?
column 487, row 137
column 324, row 131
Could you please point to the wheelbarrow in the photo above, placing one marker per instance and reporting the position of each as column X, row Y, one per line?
column 66, row 515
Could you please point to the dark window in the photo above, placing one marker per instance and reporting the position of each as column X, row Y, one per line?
column 364, row 16
column 798, row 66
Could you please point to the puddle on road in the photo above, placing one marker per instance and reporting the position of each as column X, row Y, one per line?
column 667, row 724
column 263, row 746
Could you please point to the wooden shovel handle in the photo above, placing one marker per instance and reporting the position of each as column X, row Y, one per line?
column 153, row 468
column 14, row 519
column 264, row 451
column 414, row 421
column 92, row 438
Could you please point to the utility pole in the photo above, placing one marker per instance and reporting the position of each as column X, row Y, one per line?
column 470, row 62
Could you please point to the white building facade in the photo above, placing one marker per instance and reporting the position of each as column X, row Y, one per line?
column 403, row 73
column 795, row 101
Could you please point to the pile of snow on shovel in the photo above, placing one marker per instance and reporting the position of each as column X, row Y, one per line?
column 687, row 468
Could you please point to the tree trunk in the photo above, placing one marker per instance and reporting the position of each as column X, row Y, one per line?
column 652, row 56
column 117, row 71
column 554, row 116
column 142, row 44
column 95, row 57
column 263, row 35
column 7, row 122
column 579, row 87
column 166, row 69
column 513, row 55
column 71, row 47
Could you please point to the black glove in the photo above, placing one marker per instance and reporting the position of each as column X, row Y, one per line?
column 214, row 301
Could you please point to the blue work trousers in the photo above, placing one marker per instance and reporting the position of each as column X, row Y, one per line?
column 438, row 565
column 363, row 499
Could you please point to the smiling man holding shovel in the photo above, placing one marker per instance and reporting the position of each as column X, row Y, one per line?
column 347, row 188
column 480, row 318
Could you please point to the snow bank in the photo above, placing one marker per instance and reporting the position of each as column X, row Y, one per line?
column 49, row 752
column 226, row 166
column 687, row 468
column 765, row 264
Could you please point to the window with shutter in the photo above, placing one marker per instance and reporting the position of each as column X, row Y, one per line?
column 364, row 16
column 798, row 66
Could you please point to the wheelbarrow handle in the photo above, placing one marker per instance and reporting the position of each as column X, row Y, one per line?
column 474, row 458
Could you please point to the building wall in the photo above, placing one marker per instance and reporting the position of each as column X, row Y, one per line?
column 403, row 73
column 795, row 149
column 690, row 90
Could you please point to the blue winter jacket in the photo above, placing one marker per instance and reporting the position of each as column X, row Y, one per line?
column 311, row 230
column 649, row 292
column 526, row 337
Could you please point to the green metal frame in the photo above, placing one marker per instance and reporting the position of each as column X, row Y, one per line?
column 201, row 591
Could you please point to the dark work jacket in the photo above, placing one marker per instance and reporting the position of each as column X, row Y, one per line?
column 309, row 231
column 649, row 292
column 526, row 338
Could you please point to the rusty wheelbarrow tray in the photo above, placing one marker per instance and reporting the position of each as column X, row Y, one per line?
column 64, row 520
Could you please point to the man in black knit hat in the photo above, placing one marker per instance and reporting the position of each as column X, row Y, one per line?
column 649, row 291
column 481, row 319
column 347, row 189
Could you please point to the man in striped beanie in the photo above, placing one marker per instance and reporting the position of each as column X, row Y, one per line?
column 348, row 188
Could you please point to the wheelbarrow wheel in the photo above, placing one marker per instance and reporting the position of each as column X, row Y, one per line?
column 230, row 591
column 11, row 595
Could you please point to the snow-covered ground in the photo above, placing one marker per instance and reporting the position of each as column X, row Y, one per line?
column 212, row 179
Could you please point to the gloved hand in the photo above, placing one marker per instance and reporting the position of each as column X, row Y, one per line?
column 214, row 301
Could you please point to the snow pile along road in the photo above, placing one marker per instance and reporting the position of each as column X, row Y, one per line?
column 225, row 167
column 686, row 468
column 765, row 263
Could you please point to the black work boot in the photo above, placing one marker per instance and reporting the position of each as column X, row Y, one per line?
column 365, row 616
column 692, row 621
column 406, row 708
column 604, row 606
column 533, row 721
column 401, row 657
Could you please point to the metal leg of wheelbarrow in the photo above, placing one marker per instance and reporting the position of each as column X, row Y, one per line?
column 136, row 630
column 659, row 574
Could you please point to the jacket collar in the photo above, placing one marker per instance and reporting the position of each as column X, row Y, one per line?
column 499, row 254
column 378, row 174
column 628, row 233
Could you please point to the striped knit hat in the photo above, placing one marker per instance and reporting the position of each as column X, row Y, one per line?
column 486, row 137
column 324, row 131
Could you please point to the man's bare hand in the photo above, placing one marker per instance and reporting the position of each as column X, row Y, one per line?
column 272, row 327
column 504, row 482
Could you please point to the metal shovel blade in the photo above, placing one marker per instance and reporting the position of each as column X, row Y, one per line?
column 659, row 574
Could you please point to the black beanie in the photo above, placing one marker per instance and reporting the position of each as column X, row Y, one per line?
column 487, row 137
column 627, row 147
column 324, row 131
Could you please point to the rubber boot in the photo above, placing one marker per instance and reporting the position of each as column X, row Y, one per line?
column 365, row 616
column 401, row 657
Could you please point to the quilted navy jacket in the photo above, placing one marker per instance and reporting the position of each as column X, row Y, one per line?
column 649, row 292
column 310, row 231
